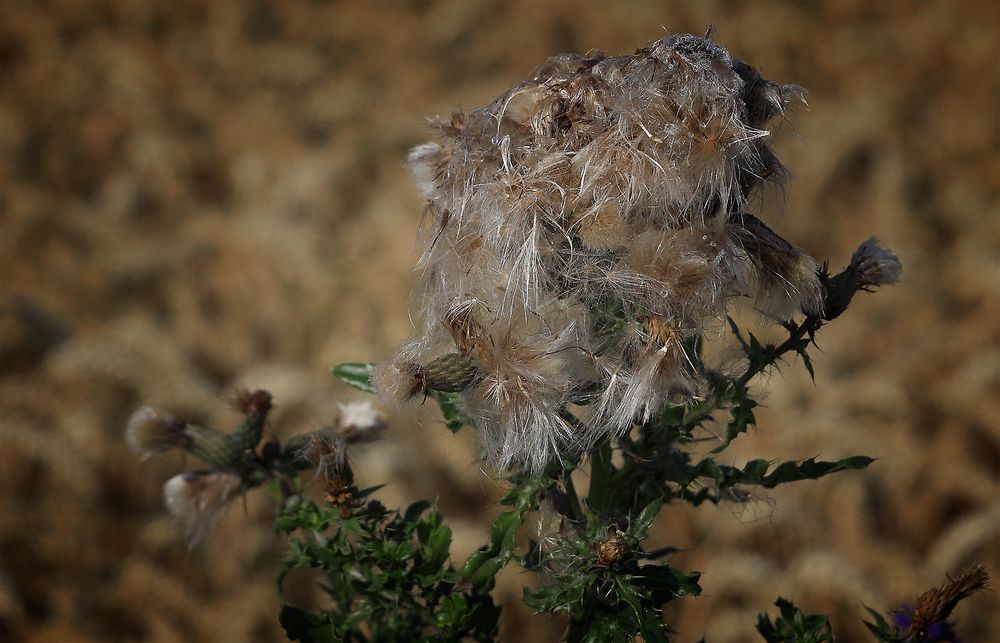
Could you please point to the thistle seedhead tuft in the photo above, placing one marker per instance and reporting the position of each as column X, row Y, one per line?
column 580, row 229
column 198, row 500
column 871, row 265
column 151, row 431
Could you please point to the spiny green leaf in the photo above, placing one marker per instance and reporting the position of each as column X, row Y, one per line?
column 485, row 572
column 736, row 332
column 810, row 469
column 884, row 631
column 653, row 628
column 357, row 374
column 454, row 419
column 367, row 491
column 755, row 471
column 645, row 519
column 741, row 420
column 626, row 592
column 807, row 362
column 414, row 511
column 879, row 619
column 438, row 544
column 794, row 626
column 485, row 563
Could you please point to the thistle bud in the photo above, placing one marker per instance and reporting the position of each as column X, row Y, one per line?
column 450, row 373
column 198, row 500
column 256, row 405
column 293, row 453
column 397, row 382
column 151, row 431
column 400, row 381
column 214, row 447
column 612, row 550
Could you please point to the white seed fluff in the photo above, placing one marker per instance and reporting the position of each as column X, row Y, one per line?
column 585, row 225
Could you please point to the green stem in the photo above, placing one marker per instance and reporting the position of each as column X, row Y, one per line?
column 574, row 500
column 794, row 341
column 601, row 471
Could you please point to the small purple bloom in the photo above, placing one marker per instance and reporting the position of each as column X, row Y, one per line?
column 903, row 619
column 941, row 633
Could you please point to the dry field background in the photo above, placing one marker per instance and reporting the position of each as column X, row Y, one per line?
column 199, row 196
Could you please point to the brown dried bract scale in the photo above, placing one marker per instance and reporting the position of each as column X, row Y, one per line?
column 613, row 549
column 935, row 605
column 256, row 402
column 599, row 194
column 329, row 456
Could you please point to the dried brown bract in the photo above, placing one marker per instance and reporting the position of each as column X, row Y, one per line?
column 253, row 402
column 933, row 607
column 612, row 550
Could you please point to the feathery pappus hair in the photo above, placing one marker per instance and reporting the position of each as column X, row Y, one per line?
column 580, row 229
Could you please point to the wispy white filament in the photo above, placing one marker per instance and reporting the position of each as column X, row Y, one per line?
column 595, row 215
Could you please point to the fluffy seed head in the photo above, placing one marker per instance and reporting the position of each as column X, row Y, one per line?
column 875, row 264
column 360, row 421
column 584, row 225
column 871, row 265
column 198, row 500
column 398, row 381
column 150, row 431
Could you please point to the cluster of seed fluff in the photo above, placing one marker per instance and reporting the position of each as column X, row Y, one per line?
column 240, row 461
column 580, row 228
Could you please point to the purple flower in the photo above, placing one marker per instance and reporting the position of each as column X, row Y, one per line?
column 903, row 619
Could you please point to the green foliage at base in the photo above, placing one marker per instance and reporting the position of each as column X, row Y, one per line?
column 588, row 550
column 794, row 626
column 388, row 574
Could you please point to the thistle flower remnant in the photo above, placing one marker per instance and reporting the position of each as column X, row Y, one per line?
column 871, row 265
column 198, row 500
column 249, row 456
column 927, row 620
column 360, row 421
column 581, row 229
column 875, row 265
column 151, row 431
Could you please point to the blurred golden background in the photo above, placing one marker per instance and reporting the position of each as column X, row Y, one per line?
column 197, row 196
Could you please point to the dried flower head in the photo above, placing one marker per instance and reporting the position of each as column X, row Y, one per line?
column 360, row 422
column 256, row 402
column 198, row 500
column 612, row 549
column 150, row 431
column 871, row 265
column 581, row 228
column 327, row 452
column 927, row 619
column 250, row 456
column 875, row 264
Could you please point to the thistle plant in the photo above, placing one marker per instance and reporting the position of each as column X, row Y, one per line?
column 584, row 236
